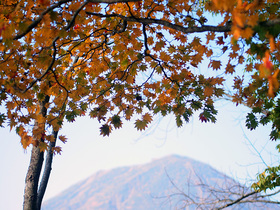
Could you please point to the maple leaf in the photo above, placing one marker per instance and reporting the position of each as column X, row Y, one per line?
column 57, row 150
column 26, row 141
column 141, row 124
column 105, row 130
column 128, row 113
column 220, row 41
column 266, row 61
column 147, row 117
column 251, row 121
column 216, row 65
column 43, row 146
column 239, row 19
column 208, row 91
column 273, row 84
column 116, row 121
column 62, row 138
column 272, row 43
column 240, row 59
column 210, row 36
column 203, row 118
column 179, row 121
column 230, row 68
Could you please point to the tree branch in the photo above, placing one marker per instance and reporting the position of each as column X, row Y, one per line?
column 38, row 20
column 48, row 69
column 237, row 200
column 186, row 30
column 147, row 21
column 51, row 8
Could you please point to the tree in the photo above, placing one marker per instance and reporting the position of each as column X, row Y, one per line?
column 198, row 194
column 113, row 59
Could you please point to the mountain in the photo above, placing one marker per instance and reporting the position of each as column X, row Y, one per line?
column 156, row 185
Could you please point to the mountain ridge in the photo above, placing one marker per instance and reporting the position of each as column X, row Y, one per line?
column 145, row 186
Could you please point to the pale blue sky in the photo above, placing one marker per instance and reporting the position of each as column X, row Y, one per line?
column 222, row 145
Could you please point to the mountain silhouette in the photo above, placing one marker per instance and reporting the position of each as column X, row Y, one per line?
column 161, row 184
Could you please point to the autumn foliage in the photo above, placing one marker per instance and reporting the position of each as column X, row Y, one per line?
column 117, row 60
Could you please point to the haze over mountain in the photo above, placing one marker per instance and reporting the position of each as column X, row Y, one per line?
column 156, row 185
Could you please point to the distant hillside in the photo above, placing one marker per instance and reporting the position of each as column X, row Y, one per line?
column 152, row 186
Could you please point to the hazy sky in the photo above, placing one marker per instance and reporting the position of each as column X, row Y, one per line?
column 223, row 145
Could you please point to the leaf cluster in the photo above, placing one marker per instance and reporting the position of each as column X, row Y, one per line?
column 119, row 60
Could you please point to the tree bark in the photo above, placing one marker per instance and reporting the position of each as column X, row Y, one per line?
column 47, row 172
column 32, row 179
column 35, row 167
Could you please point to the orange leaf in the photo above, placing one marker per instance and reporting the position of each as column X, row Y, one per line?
column 273, row 84
column 26, row 141
column 62, row 138
column 239, row 20
column 266, row 61
column 210, row 36
column 220, row 40
column 215, row 64
column 43, row 146
column 264, row 72
column 147, row 117
column 272, row 43
column 57, row 150
column 208, row 91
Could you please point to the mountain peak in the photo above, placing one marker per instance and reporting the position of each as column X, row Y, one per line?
column 148, row 186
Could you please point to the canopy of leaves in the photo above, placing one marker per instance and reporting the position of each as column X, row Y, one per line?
column 115, row 59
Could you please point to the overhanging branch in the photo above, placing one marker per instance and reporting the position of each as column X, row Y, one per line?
column 186, row 30
column 165, row 23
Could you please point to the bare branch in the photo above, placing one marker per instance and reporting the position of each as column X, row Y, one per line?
column 238, row 200
column 224, row 194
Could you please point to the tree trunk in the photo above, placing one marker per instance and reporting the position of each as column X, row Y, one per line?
column 47, row 172
column 35, row 166
column 32, row 179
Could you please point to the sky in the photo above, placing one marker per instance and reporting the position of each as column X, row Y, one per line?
column 226, row 145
